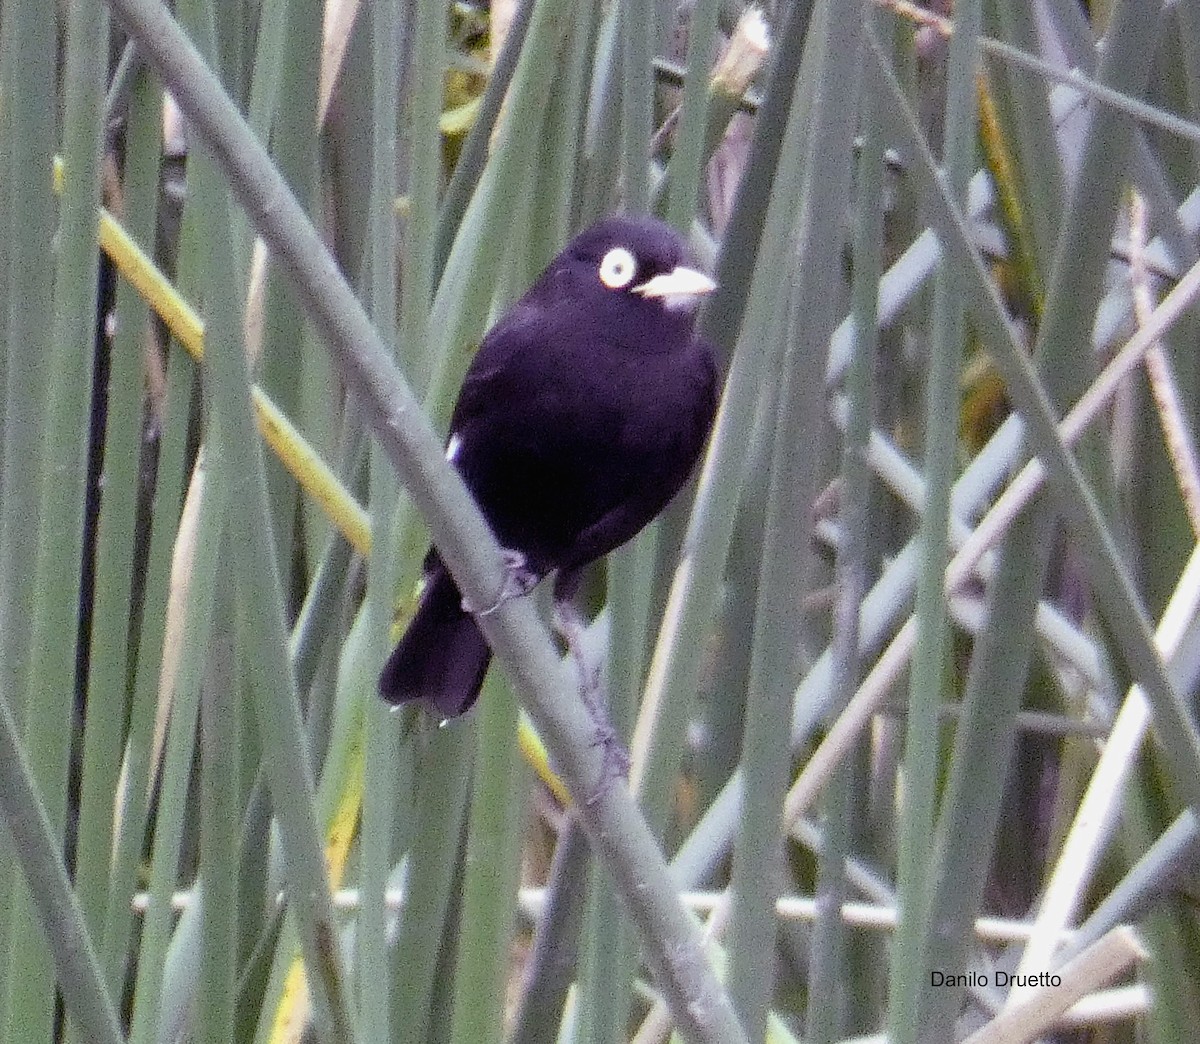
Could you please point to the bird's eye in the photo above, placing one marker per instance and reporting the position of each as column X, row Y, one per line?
column 617, row 268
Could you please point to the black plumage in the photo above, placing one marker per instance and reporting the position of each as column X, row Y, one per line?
column 579, row 419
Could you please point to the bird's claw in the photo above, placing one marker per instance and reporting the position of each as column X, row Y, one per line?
column 615, row 758
column 615, row 763
column 519, row 580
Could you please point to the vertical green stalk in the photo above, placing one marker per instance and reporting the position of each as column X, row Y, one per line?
column 397, row 997
column 443, row 783
column 630, row 592
column 909, row 980
column 607, row 963
column 1166, row 926
column 749, row 223
column 64, row 427
column 183, row 691
column 830, row 971
column 1040, row 171
column 552, row 963
column 687, row 159
column 219, row 809
column 637, row 37
column 381, row 773
column 557, row 180
column 6, row 226
column 29, row 111
column 29, row 830
column 110, row 672
column 27, row 220
column 169, row 571
column 492, row 871
column 294, row 147
column 266, row 85
column 424, row 158
column 387, row 785
column 213, row 1016
column 9, row 645
column 602, row 138
column 518, row 270
column 756, row 876
column 473, row 155
column 141, row 168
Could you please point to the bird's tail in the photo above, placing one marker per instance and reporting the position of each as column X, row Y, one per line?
column 443, row 655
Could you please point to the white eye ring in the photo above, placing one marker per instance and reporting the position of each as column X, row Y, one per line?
column 617, row 268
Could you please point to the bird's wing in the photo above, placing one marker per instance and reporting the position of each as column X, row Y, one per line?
column 491, row 371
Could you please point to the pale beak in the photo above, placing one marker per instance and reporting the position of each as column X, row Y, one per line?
column 680, row 288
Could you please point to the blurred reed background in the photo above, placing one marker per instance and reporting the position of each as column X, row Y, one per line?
column 901, row 704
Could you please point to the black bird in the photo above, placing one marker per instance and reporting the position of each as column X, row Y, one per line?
column 579, row 419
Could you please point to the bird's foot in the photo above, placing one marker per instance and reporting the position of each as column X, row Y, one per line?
column 570, row 625
column 519, row 580
column 614, row 763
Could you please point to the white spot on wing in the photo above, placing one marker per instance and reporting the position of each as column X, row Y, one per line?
column 452, row 448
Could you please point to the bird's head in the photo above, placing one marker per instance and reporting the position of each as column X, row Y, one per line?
column 632, row 277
